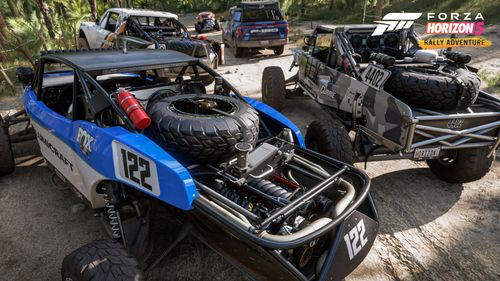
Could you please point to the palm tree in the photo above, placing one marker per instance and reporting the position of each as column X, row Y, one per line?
column 378, row 9
column 45, row 11
column 93, row 9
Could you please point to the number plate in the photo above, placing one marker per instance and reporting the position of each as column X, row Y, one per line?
column 375, row 77
column 135, row 169
column 264, row 43
column 427, row 153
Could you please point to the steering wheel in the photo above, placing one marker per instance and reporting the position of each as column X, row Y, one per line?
column 64, row 101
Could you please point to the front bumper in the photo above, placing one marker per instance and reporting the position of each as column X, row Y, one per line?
column 261, row 44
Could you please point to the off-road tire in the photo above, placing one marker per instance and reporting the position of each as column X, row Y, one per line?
column 200, row 137
column 7, row 163
column 273, row 87
column 428, row 88
column 82, row 43
column 468, row 164
column 101, row 260
column 279, row 50
column 331, row 138
column 238, row 52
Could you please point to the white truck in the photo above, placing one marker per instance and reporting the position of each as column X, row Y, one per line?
column 138, row 29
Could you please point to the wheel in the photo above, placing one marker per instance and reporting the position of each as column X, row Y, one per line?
column 273, row 87
column 279, row 50
column 197, row 27
column 187, row 127
column 82, row 43
column 7, row 165
column 101, row 260
column 331, row 138
column 238, row 52
column 462, row 165
column 429, row 88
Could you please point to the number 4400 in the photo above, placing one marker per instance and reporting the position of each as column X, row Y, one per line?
column 355, row 239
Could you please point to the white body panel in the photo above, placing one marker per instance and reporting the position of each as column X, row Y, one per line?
column 74, row 169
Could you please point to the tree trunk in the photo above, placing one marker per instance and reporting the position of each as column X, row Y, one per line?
column 45, row 11
column 331, row 5
column 303, row 7
column 3, row 56
column 12, row 8
column 93, row 9
column 378, row 9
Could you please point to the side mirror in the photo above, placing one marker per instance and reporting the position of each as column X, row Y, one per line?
column 308, row 40
column 97, row 21
column 25, row 75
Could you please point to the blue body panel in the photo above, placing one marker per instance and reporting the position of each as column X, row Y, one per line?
column 176, row 184
column 277, row 118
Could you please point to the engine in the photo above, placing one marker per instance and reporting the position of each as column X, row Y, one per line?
column 277, row 193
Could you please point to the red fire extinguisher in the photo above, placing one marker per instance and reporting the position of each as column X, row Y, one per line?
column 133, row 109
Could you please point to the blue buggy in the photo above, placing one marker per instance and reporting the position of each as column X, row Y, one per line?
column 162, row 157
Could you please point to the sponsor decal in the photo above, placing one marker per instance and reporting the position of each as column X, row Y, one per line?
column 55, row 151
column 327, row 92
column 85, row 140
column 455, row 123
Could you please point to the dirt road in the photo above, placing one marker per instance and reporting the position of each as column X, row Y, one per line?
column 430, row 230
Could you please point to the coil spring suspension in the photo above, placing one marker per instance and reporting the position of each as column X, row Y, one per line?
column 113, row 216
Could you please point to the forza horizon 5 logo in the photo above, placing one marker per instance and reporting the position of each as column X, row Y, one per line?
column 458, row 24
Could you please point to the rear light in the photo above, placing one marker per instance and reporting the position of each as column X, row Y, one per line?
column 239, row 32
column 204, row 38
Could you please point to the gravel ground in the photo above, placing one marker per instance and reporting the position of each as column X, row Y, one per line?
column 430, row 230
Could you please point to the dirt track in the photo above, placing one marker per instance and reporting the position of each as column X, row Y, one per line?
column 430, row 230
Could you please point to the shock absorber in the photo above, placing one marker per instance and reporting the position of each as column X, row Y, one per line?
column 112, row 214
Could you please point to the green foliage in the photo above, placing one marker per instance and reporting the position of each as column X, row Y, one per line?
column 25, row 32
column 492, row 79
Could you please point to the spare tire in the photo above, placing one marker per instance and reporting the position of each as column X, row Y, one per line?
column 186, row 127
column 430, row 88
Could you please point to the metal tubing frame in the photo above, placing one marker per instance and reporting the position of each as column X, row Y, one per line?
column 467, row 134
column 439, row 116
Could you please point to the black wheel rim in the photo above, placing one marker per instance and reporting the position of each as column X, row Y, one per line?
column 195, row 107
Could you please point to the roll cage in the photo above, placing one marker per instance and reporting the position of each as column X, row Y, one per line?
column 99, row 100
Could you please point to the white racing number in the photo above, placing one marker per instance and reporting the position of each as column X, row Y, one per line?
column 135, row 169
column 375, row 77
column 355, row 239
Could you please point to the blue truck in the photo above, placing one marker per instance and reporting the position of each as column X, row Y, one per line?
column 162, row 158
column 255, row 25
